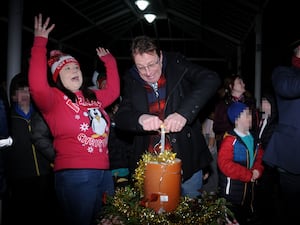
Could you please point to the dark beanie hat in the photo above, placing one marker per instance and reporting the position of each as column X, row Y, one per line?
column 234, row 110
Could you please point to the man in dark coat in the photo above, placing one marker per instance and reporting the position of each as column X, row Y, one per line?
column 165, row 89
column 283, row 150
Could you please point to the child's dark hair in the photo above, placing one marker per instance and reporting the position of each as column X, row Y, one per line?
column 19, row 81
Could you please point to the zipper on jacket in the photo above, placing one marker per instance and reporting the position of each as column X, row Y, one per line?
column 37, row 169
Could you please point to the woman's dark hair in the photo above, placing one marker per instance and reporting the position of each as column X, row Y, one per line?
column 229, row 82
column 88, row 94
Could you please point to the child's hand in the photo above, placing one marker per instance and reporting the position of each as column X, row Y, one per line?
column 255, row 175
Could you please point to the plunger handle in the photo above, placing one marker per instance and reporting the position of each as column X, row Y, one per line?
column 162, row 138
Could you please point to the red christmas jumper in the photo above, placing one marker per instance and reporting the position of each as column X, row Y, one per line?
column 80, row 140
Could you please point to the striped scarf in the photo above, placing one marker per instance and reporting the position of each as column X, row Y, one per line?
column 156, row 94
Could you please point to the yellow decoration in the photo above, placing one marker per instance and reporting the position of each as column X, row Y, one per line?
column 126, row 206
column 163, row 157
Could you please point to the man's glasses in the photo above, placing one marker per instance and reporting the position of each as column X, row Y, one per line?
column 151, row 66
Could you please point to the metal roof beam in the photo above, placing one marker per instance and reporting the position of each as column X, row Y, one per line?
column 217, row 32
column 106, row 19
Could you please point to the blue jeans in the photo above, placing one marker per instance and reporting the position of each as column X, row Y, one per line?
column 80, row 193
column 191, row 187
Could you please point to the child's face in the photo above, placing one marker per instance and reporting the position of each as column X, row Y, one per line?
column 245, row 119
column 266, row 106
column 22, row 96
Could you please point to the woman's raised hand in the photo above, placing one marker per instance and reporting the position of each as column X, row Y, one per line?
column 102, row 51
column 42, row 29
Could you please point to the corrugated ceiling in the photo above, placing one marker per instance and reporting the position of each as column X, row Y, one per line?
column 203, row 30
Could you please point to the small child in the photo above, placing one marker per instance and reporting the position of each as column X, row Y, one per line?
column 240, row 164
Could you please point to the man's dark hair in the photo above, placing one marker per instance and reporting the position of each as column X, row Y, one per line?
column 144, row 44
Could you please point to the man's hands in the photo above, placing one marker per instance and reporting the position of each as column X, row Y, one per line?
column 150, row 122
column 173, row 123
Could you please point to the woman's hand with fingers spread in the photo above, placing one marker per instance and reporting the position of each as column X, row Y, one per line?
column 42, row 29
column 102, row 51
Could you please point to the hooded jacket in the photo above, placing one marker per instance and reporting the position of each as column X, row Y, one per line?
column 235, row 170
column 22, row 160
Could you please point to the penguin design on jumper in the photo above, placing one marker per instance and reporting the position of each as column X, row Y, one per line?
column 97, row 122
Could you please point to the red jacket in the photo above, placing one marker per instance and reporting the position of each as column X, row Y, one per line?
column 235, row 169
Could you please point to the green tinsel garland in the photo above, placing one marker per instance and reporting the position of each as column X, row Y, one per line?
column 126, row 207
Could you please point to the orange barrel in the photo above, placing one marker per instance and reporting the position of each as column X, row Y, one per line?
column 164, row 181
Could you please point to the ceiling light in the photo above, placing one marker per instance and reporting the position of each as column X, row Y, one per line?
column 150, row 17
column 142, row 4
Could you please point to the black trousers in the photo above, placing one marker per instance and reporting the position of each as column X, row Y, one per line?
column 290, row 192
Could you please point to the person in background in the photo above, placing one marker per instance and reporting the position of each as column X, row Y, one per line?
column 120, row 147
column 240, row 164
column 119, row 143
column 165, row 89
column 267, row 189
column 283, row 148
column 78, row 122
column 98, row 80
column 5, row 139
column 28, row 172
column 43, row 141
column 211, row 181
column 5, row 142
column 233, row 91
column 42, row 137
column 101, row 81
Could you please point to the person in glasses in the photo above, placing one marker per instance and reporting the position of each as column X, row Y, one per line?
column 165, row 89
